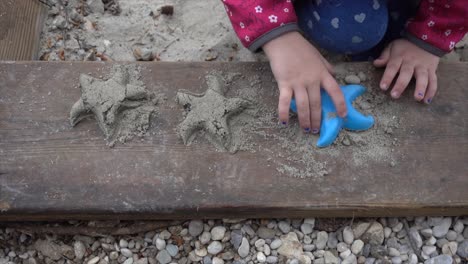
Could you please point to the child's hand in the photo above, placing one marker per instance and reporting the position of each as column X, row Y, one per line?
column 407, row 59
column 300, row 70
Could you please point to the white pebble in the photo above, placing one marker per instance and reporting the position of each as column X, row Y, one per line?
column 217, row 233
column 93, row 260
column 160, row 244
column 357, row 246
column 352, row 79
column 261, row 257
column 306, row 228
column 126, row 252
column 215, row 247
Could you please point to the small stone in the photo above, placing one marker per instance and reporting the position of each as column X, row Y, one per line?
column 416, row 238
column 215, row 247
column 160, row 244
column 431, row 241
column 374, row 235
column 80, row 249
column 266, row 250
column 114, row 255
column 348, row 235
column 330, row 258
column 123, row 243
column 126, row 252
column 236, row 238
column 399, row 226
column 172, row 250
column 393, row 252
column 396, row 260
column 266, row 233
column 458, row 227
column 441, row 242
column 441, row 230
column 96, row 6
column 306, row 229
column 451, row 235
column 165, row 235
column 463, row 249
column 244, row 248
column 260, row 243
column 93, row 260
column 205, row 238
column 141, row 261
column 217, row 260
column 442, row 259
column 322, row 239
column 217, row 233
column 272, row 259
column 310, row 221
column 285, row 227
column 351, row 259
column 195, row 227
column 261, row 257
column 357, row 246
column 290, row 247
column 428, row 250
column 60, row 22
column 427, row 233
column 163, row 257
column 276, row 243
column 387, row 232
column 193, row 257
column 342, row 247
column 201, row 252
column 352, row 79
column 362, row 76
column 450, row 248
column 413, row 259
column 345, row 254
column 332, row 240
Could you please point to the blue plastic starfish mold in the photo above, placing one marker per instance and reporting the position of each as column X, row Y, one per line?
column 332, row 123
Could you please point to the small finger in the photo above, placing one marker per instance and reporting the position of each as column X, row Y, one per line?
column 383, row 59
column 390, row 71
column 404, row 77
column 431, row 88
column 303, row 109
column 422, row 79
column 329, row 67
column 333, row 89
column 315, row 107
column 284, row 104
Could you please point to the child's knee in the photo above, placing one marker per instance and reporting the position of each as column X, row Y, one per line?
column 343, row 26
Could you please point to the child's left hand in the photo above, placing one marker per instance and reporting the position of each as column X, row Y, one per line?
column 407, row 59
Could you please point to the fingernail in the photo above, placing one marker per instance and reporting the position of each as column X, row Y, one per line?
column 420, row 94
column 307, row 130
column 429, row 100
column 394, row 94
column 383, row 86
column 284, row 123
column 315, row 131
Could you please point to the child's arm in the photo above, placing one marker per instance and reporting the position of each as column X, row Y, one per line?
column 298, row 67
column 433, row 32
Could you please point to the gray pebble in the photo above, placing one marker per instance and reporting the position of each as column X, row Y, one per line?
column 393, row 252
column 207, row 260
column 427, row 233
column 205, row 238
column 80, row 249
column 217, row 233
column 322, row 239
column 276, row 243
column 462, row 250
column 308, row 248
column 163, row 257
column 217, row 260
column 396, row 260
column 341, row 247
column 351, row 259
column 165, row 235
column 357, row 246
column 244, row 248
column 266, row 233
column 458, row 227
column 126, row 252
column 173, row 250
column 416, row 237
column 348, row 235
column 332, row 240
column 271, row 259
column 451, row 235
column 284, row 226
column 428, row 250
column 352, row 79
column 306, row 228
column 236, row 238
column 215, row 247
column 442, row 259
column 441, row 230
column 195, row 227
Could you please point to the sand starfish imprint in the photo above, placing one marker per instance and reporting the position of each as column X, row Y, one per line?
column 210, row 112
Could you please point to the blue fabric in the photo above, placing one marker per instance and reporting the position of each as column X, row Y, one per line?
column 344, row 26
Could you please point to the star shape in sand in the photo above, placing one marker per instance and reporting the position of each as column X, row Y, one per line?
column 209, row 112
column 332, row 123
column 106, row 99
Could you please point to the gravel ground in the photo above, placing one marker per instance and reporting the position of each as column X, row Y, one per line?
column 428, row 240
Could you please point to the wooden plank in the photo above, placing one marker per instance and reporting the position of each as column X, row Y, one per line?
column 49, row 170
column 20, row 28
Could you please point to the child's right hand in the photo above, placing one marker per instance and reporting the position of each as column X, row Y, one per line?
column 300, row 71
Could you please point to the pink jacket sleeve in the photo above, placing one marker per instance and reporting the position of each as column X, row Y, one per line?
column 258, row 21
column 438, row 25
